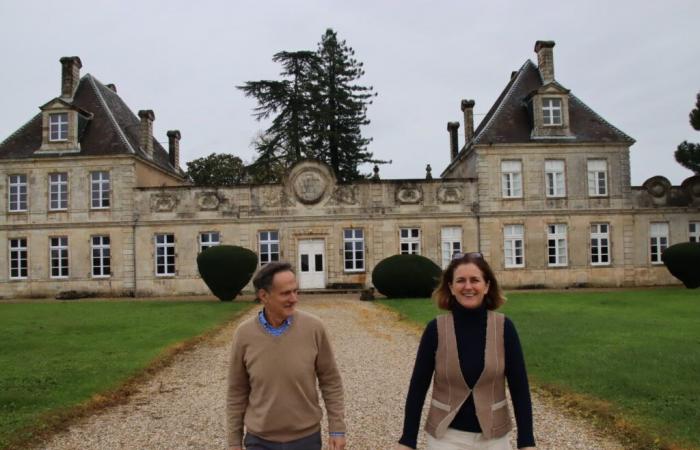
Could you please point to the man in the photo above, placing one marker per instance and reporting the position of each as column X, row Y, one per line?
column 276, row 360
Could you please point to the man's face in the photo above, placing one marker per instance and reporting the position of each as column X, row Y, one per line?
column 280, row 301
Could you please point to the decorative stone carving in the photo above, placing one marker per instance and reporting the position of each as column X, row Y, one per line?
column 309, row 185
column 449, row 194
column 208, row 201
column 691, row 185
column 344, row 195
column 410, row 194
column 275, row 198
column 657, row 187
column 163, row 202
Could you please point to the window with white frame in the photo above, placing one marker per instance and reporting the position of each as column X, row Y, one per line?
column 17, row 200
column 58, row 249
column 58, row 127
column 557, row 245
column 694, row 231
column 512, row 179
column 551, row 111
column 208, row 239
column 101, row 257
column 554, row 178
column 513, row 245
column 658, row 241
column 18, row 258
column 597, row 177
column 269, row 242
column 600, row 244
column 451, row 243
column 58, row 191
column 354, row 249
column 409, row 240
column 165, row 255
column 100, row 189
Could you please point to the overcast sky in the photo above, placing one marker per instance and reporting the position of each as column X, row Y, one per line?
column 636, row 64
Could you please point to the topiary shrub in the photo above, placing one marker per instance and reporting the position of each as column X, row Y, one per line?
column 226, row 269
column 683, row 261
column 406, row 276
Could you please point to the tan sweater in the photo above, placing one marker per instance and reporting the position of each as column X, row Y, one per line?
column 272, row 382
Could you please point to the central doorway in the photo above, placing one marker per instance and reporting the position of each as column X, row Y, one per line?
column 311, row 264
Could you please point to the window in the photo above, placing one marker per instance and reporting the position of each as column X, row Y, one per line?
column 556, row 245
column 554, row 178
column 658, row 241
column 100, row 189
column 59, row 257
column 269, row 246
column 208, row 239
column 451, row 240
column 17, row 200
column 600, row 244
column 513, row 245
column 165, row 255
column 694, row 231
column 409, row 241
column 18, row 258
column 597, row 178
column 58, row 191
column 58, row 127
column 101, row 257
column 511, row 179
column 354, row 249
column 551, row 111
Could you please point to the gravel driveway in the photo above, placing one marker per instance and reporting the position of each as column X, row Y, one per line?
column 182, row 407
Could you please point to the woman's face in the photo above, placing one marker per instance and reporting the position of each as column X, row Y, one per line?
column 468, row 285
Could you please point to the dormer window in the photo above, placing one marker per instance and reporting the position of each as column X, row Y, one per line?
column 551, row 112
column 58, row 127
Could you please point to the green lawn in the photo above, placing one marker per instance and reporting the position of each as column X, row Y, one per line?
column 639, row 350
column 58, row 354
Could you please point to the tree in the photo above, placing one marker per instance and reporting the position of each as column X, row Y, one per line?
column 688, row 154
column 217, row 170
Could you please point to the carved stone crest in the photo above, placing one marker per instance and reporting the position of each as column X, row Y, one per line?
column 208, row 201
column 449, row 194
column 163, row 202
column 409, row 194
column 309, row 185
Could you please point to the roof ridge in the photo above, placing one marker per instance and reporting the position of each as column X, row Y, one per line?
column 20, row 129
column 614, row 128
column 93, row 82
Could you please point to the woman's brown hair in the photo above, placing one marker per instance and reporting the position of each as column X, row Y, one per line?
column 444, row 299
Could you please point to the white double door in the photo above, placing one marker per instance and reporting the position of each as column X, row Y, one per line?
column 311, row 264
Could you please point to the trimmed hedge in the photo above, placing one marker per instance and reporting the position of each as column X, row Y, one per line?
column 683, row 261
column 406, row 276
column 226, row 269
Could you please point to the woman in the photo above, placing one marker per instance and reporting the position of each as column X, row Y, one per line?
column 469, row 352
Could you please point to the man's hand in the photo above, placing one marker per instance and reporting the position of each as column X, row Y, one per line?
column 336, row 442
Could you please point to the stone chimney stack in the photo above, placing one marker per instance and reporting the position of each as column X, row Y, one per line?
column 174, row 148
column 545, row 60
column 146, row 132
column 112, row 87
column 468, row 110
column 70, row 75
column 452, row 127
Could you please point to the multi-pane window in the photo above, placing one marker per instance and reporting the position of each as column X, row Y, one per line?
column 354, row 249
column 208, row 239
column 100, row 189
column 556, row 245
column 409, row 241
column 554, row 178
column 17, row 193
column 694, row 231
column 58, row 250
column 58, row 127
column 58, row 191
column 597, row 177
column 101, row 256
column 512, row 179
column 451, row 241
column 269, row 242
column 513, row 240
column 600, row 244
column 551, row 111
column 18, row 258
column 658, row 241
column 165, row 254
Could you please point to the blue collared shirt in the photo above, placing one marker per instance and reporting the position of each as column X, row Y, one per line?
column 275, row 331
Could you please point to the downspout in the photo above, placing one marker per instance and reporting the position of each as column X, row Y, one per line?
column 133, row 252
column 475, row 210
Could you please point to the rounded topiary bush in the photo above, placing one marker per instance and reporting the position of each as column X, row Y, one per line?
column 683, row 261
column 226, row 269
column 406, row 276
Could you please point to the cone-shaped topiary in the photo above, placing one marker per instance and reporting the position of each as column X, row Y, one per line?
column 406, row 276
column 683, row 261
column 226, row 269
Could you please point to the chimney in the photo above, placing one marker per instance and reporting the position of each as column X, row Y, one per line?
column 146, row 132
column 468, row 110
column 452, row 128
column 112, row 87
column 174, row 148
column 545, row 60
column 70, row 75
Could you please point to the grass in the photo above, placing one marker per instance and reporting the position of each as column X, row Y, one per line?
column 631, row 357
column 55, row 356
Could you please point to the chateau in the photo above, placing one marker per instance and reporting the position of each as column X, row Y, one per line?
column 90, row 201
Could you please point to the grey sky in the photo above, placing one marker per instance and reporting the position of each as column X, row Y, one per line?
column 635, row 64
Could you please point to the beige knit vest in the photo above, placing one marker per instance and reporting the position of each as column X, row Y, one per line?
column 450, row 391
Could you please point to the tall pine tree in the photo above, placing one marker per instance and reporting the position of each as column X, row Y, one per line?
column 688, row 154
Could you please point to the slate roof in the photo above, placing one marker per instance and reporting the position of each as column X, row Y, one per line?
column 112, row 130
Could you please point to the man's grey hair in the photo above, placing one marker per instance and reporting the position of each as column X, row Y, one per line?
column 263, row 279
